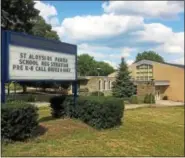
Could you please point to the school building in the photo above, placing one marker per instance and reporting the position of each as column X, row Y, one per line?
column 160, row 79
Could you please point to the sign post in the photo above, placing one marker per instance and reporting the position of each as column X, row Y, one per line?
column 30, row 58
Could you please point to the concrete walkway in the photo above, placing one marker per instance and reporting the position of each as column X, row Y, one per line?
column 135, row 106
column 168, row 103
column 40, row 104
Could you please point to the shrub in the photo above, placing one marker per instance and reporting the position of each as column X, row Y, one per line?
column 69, row 107
column 134, row 99
column 149, row 99
column 83, row 90
column 18, row 120
column 140, row 99
column 165, row 97
column 31, row 98
column 95, row 93
column 102, row 113
column 146, row 98
column 57, row 106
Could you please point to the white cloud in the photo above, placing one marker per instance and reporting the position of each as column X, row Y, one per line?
column 54, row 21
column 151, row 9
column 168, row 41
column 113, row 64
column 48, row 12
column 121, row 26
column 126, row 51
column 96, row 27
column 129, row 62
column 99, row 52
column 179, row 61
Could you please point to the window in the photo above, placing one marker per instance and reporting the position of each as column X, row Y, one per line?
column 109, row 85
column 144, row 72
column 99, row 86
column 104, row 85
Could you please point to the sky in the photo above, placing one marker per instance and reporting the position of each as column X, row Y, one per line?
column 109, row 30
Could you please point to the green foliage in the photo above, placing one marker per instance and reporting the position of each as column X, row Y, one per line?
column 140, row 99
column 149, row 99
column 101, row 113
column 146, row 99
column 83, row 90
column 18, row 120
column 96, row 93
column 87, row 66
column 123, row 86
column 134, row 99
column 57, row 106
column 31, row 98
column 18, row 15
column 165, row 97
column 149, row 55
column 42, row 29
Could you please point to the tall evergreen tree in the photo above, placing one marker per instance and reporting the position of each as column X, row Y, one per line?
column 123, row 86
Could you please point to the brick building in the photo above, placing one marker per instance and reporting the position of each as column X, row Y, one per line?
column 160, row 79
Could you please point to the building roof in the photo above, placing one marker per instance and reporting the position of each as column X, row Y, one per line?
column 177, row 65
column 150, row 62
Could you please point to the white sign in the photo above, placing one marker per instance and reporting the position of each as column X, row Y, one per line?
column 35, row 64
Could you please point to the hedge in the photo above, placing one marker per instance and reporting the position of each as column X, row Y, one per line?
column 18, row 120
column 134, row 99
column 149, row 98
column 30, row 97
column 97, row 93
column 101, row 113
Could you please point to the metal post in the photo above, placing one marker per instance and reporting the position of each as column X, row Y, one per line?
column 3, row 66
column 74, row 88
column 2, row 89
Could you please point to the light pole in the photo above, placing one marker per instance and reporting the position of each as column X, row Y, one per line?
column 98, row 81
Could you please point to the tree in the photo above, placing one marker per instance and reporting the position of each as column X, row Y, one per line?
column 18, row 15
column 21, row 16
column 149, row 55
column 87, row 66
column 42, row 29
column 123, row 86
column 105, row 68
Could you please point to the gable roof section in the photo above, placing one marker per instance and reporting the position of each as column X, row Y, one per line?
column 151, row 63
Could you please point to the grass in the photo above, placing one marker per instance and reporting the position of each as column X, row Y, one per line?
column 145, row 132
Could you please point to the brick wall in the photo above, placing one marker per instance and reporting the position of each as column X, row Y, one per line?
column 145, row 88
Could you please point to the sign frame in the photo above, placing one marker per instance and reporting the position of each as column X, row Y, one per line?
column 22, row 39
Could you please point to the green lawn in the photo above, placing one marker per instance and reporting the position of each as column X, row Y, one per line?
column 145, row 132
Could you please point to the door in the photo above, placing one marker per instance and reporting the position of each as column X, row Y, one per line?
column 157, row 95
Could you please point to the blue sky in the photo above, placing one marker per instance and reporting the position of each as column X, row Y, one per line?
column 111, row 30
